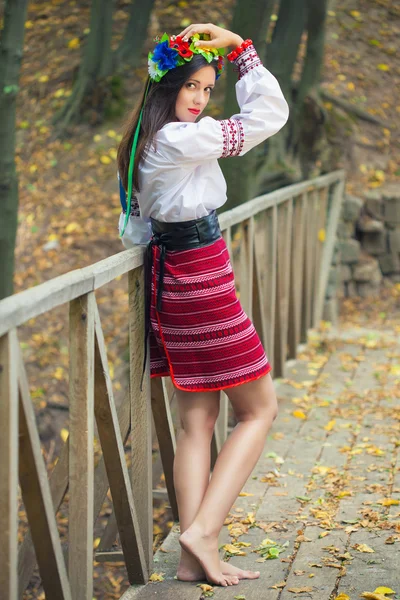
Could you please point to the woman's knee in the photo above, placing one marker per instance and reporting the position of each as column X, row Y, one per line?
column 198, row 412
column 255, row 400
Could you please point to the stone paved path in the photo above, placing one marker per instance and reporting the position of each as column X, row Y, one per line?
column 327, row 484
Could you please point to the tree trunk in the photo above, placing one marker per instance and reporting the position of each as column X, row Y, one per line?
column 305, row 130
column 11, row 50
column 95, row 66
column 281, row 58
column 133, row 42
column 250, row 20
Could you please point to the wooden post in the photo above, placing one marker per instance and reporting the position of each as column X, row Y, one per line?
column 270, row 284
column 283, row 286
column 36, row 495
column 333, row 219
column 81, row 437
column 296, row 268
column 140, row 415
column 9, row 465
column 115, row 462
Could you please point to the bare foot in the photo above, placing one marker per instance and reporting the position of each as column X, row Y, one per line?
column 194, row 572
column 205, row 550
column 229, row 569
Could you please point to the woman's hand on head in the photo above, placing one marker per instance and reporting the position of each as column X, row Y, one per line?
column 219, row 37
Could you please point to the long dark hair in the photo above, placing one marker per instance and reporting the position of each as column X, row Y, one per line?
column 159, row 110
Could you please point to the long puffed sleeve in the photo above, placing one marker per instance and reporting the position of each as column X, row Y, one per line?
column 138, row 230
column 263, row 112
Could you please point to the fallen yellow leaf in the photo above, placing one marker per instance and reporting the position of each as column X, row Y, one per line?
column 74, row 43
column 363, row 548
column 64, row 433
column 157, row 577
column 384, row 590
column 205, row 587
column 299, row 414
column 330, row 425
column 388, row 502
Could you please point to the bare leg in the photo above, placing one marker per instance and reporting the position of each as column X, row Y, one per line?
column 255, row 407
column 198, row 413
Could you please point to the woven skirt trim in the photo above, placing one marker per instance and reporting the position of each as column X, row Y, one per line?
column 200, row 321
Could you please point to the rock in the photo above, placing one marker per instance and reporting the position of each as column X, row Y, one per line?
column 366, row 289
column 350, row 251
column 374, row 204
column 393, row 238
column 350, row 289
column 351, row 208
column 334, row 276
column 374, row 243
column 389, row 263
column 368, row 225
column 391, row 202
column 345, row 273
column 345, row 229
column 367, row 271
column 395, row 278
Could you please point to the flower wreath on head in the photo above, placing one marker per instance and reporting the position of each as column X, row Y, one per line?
column 173, row 51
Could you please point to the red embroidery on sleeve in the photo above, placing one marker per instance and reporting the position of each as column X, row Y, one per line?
column 232, row 136
column 247, row 60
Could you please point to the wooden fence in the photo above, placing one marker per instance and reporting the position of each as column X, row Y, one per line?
column 283, row 245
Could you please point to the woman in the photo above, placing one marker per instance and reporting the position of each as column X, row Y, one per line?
column 199, row 333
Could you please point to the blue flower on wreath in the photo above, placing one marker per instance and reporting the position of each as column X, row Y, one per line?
column 165, row 57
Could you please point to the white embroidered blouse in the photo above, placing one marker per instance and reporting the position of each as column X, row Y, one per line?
column 181, row 179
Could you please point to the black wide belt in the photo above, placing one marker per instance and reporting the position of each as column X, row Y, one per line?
column 182, row 235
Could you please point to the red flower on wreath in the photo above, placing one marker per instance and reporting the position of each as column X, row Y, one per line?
column 181, row 46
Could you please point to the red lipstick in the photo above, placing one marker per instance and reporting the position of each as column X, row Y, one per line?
column 194, row 111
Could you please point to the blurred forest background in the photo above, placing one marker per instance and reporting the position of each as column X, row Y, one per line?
column 76, row 70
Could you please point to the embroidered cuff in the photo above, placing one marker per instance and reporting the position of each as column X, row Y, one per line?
column 245, row 57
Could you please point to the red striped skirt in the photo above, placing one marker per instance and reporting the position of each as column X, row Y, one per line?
column 202, row 338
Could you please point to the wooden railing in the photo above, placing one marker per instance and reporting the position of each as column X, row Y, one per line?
column 281, row 246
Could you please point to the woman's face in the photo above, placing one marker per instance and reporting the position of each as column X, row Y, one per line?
column 195, row 94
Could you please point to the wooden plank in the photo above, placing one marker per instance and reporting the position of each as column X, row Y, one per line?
column 313, row 233
column 222, row 420
column 17, row 309
column 36, row 496
column 141, row 451
column 382, row 568
column 257, row 205
column 81, row 438
column 283, row 286
column 296, row 267
column 270, row 282
column 166, row 561
column 58, row 489
column 114, row 459
column 8, row 464
column 321, row 223
column 258, row 301
column 166, row 438
column 334, row 213
column 314, row 552
column 307, row 273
